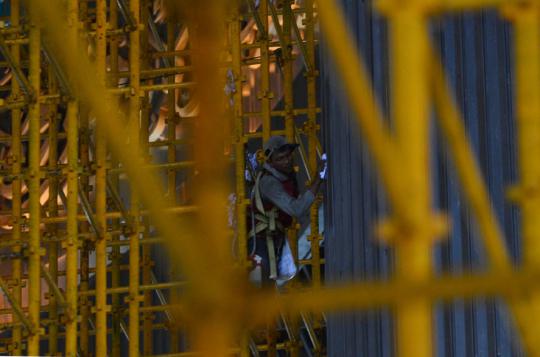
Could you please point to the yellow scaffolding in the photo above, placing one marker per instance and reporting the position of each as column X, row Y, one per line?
column 99, row 189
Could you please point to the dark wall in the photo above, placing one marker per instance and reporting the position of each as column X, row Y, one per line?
column 476, row 49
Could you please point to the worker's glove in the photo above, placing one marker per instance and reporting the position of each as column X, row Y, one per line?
column 323, row 172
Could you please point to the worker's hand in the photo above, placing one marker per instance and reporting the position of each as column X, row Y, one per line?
column 317, row 179
column 322, row 167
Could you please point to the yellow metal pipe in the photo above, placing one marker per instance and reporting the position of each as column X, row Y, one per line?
column 526, row 20
column 168, row 165
column 101, row 307
column 455, row 5
column 154, row 73
column 15, row 307
column 116, row 337
column 410, row 97
column 172, row 174
column 154, row 87
column 53, row 290
column 173, row 210
column 124, row 289
column 16, row 156
column 72, row 240
column 34, row 244
column 239, row 141
column 513, row 285
column 51, row 229
column 144, row 133
column 287, row 68
column 84, row 188
column 218, row 293
column 312, row 129
column 292, row 136
column 133, row 130
column 265, row 94
column 240, row 159
column 84, row 330
column 193, row 252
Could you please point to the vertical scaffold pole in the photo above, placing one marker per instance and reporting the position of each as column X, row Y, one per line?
column 16, row 208
column 239, row 153
column 101, row 177
column 409, row 47
column 211, row 189
column 290, row 133
column 84, row 331
column 84, row 137
column 34, row 244
column 265, row 96
column 288, row 98
column 526, row 20
column 52, row 230
column 313, row 140
column 116, row 310
column 72, row 242
column 172, row 174
column 265, row 93
column 148, row 316
column 287, row 68
column 239, row 141
column 134, row 117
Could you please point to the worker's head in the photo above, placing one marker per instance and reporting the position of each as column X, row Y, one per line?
column 278, row 154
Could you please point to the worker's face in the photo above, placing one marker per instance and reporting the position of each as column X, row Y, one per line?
column 282, row 161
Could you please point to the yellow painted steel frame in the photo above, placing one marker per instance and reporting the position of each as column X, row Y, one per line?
column 34, row 244
column 101, row 307
column 215, row 299
column 16, row 157
column 134, row 114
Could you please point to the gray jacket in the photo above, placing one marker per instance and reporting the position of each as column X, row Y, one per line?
column 272, row 190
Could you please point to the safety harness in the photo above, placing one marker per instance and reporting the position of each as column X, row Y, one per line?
column 266, row 220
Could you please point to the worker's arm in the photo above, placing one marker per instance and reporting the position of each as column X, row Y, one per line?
column 271, row 189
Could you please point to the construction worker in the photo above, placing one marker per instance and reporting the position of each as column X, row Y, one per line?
column 275, row 201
